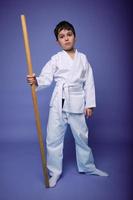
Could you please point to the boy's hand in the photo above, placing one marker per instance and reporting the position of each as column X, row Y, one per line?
column 88, row 112
column 31, row 79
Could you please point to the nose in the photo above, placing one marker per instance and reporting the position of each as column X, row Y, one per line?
column 66, row 38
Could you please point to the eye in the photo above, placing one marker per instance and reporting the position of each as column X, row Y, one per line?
column 61, row 36
column 70, row 34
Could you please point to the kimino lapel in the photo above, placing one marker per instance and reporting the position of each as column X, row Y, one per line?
column 73, row 88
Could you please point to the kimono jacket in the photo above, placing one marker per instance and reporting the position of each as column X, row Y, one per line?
column 74, row 82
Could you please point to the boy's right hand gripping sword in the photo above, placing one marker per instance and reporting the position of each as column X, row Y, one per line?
column 34, row 98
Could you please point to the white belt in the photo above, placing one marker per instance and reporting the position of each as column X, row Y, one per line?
column 64, row 90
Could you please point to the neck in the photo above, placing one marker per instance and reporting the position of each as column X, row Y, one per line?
column 70, row 51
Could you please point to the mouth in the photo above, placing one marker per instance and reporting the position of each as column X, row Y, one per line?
column 67, row 43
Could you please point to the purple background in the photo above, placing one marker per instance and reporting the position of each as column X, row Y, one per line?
column 104, row 34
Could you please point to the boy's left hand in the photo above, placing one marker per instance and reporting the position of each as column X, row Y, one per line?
column 88, row 112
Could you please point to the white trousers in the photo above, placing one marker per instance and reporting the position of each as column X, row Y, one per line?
column 55, row 140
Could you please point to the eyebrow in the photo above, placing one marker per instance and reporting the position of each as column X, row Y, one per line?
column 69, row 31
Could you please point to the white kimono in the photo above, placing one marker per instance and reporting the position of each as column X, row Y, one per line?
column 74, row 83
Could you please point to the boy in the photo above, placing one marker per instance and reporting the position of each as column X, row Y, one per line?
column 72, row 99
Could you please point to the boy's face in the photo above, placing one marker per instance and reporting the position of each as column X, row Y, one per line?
column 66, row 39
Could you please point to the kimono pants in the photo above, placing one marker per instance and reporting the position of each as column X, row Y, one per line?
column 56, row 129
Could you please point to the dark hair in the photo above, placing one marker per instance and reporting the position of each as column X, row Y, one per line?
column 63, row 25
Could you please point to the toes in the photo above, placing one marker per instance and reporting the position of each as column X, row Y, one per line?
column 53, row 180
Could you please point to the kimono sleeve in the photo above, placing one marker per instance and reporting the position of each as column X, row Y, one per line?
column 46, row 76
column 89, row 87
